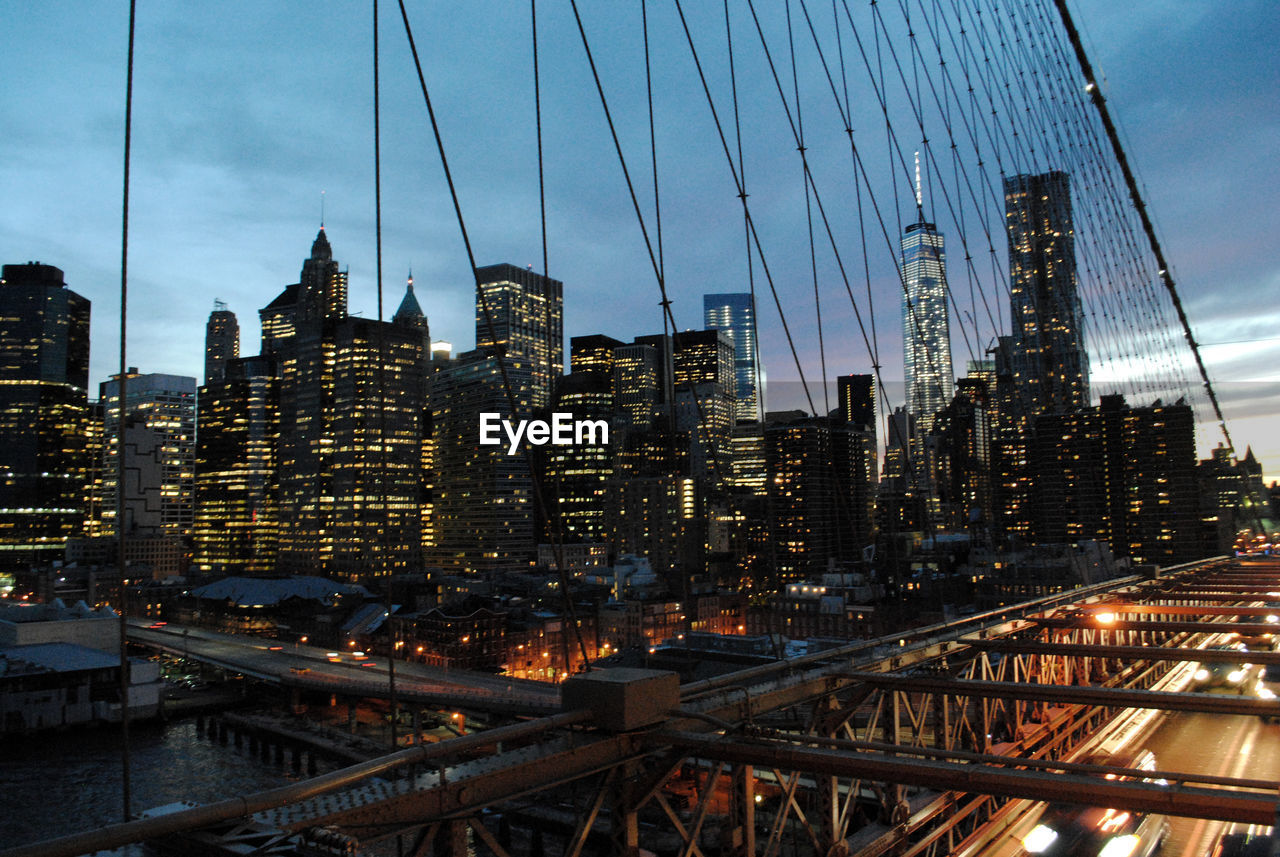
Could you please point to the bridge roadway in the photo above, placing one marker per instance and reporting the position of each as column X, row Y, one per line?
column 1223, row 746
column 415, row 683
column 946, row 785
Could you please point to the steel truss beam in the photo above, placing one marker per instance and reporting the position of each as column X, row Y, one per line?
column 1111, row 697
column 1121, row 609
column 1089, row 621
column 1137, row 653
column 1134, row 795
column 1211, row 597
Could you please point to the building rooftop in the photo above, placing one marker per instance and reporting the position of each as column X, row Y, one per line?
column 257, row 592
column 54, row 611
column 54, row 657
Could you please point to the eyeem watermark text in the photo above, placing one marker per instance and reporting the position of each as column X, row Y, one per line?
column 562, row 430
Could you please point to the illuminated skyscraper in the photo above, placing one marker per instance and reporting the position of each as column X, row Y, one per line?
column 44, row 376
column 592, row 354
column 1047, row 354
column 484, row 508
column 1121, row 475
column 352, row 405
column 235, row 486
column 576, row 474
column 734, row 313
column 636, row 375
column 926, row 325
column 160, row 450
column 857, row 397
column 802, row 495
column 528, row 321
column 221, row 341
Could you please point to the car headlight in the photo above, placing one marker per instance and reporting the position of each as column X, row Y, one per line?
column 1202, row 674
column 1120, row 846
column 1039, row 839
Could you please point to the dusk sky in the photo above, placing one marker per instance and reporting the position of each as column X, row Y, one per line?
column 245, row 112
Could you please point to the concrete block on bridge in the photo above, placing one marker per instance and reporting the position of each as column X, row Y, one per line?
column 624, row 699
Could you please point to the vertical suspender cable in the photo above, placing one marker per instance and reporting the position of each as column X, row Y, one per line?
column 382, row 368
column 483, row 301
column 551, row 507
column 120, row 426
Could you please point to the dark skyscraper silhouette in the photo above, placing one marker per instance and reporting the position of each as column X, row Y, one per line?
column 44, row 376
column 1047, row 353
column 221, row 341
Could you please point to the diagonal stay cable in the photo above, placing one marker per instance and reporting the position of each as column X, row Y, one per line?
column 539, row 497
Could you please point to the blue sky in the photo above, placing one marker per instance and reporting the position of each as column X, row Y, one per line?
column 244, row 113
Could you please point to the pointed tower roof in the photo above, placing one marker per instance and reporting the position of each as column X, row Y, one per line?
column 409, row 307
column 320, row 248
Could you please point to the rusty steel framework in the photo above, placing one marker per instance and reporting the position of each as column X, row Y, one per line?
column 928, row 743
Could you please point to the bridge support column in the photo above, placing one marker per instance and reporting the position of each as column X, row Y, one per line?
column 625, row 812
column 831, row 831
column 451, row 839
column 739, row 837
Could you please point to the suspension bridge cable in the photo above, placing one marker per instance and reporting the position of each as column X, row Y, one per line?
column 554, row 517
column 122, row 422
column 755, row 236
column 382, row 361
column 486, row 312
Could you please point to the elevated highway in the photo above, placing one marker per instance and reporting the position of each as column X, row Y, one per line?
column 309, row 668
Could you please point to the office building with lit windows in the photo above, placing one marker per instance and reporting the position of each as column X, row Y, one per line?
column 1120, row 474
column 236, row 470
column 221, row 341
column 802, row 491
column 335, row 486
column 1047, row 351
column 352, row 400
column 735, row 314
column 44, row 404
column 484, row 506
column 525, row 320
column 160, row 451
column 592, row 354
column 575, row 475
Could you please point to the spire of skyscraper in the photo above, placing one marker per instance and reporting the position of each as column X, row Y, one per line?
column 320, row 249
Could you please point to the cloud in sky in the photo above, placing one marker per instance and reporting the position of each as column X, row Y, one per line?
column 244, row 113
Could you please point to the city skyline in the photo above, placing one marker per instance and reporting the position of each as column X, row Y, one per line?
column 250, row 194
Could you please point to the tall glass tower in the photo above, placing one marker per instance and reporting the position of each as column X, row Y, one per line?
column 926, row 323
column 735, row 313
